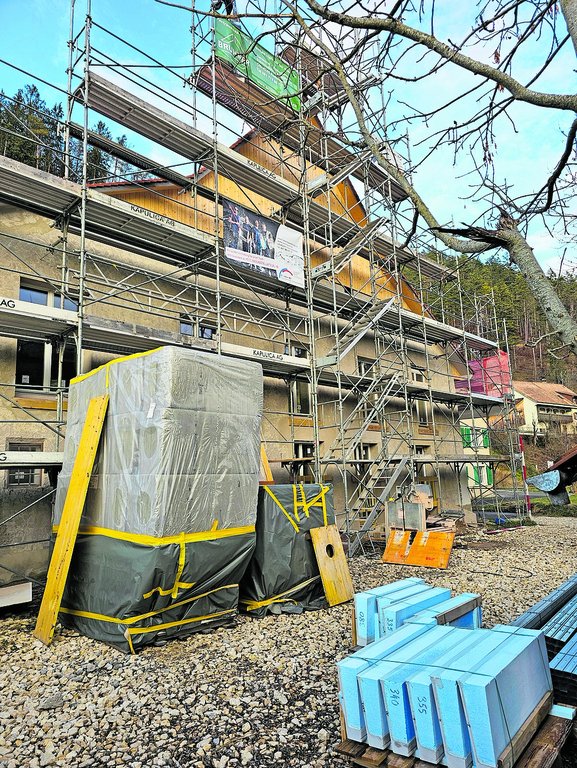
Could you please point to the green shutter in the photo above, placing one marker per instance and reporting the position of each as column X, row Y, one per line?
column 489, row 476
column 476, row 475
column 485, row 438
column 466, row 436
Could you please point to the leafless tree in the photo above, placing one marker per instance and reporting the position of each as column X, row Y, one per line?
column 508, row 47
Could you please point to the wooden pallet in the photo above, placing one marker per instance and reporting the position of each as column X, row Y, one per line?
column 541, row 752
column 539, row 748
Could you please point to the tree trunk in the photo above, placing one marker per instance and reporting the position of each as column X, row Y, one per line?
column 557, row 316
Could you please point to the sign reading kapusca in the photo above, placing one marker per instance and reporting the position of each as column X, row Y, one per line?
column 256, row 63
column 262, row 245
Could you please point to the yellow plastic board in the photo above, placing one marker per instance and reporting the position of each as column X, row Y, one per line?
column 397, row 547
column 431, row 550
column 332, row 564
column 68, row 528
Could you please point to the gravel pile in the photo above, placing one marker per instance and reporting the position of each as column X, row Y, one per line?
column 257, row 693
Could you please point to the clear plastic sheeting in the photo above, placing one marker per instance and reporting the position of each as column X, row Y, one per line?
column 180, row 450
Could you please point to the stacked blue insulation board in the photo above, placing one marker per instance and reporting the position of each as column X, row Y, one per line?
column 433, row 683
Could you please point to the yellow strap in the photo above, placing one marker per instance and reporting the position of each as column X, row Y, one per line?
column 157, row 627
column 251, row 605
column 154, row 541
column 270, row 493
column 112, row 362
column 305, row 505
column 135, row 619
column 315, row 500
column 177, row 583
column 295, row 503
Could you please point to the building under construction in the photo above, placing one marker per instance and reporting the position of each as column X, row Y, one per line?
column 287, row 246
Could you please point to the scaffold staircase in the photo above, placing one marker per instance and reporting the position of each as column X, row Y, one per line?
column 353, row 428
column 340, row 260
column 385, row 476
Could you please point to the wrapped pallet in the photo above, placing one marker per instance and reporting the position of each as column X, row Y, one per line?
column 283, row 573
column 168, row 526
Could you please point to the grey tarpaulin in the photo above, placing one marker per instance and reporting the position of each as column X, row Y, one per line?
column 283, row 571
column 168, row 527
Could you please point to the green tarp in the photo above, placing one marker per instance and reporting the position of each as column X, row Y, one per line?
column 128, row 594
column 283, row 572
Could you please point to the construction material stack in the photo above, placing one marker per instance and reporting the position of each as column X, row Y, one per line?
column 168, row 526
column 556, row 616
column 283, row 574
column 435, row 685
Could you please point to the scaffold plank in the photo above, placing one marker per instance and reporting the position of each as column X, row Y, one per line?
column 245, row 99
column 130, row 156
column 147, row 120
column 31, row 459
column 23, row 320
column 136, row 114
column 71, row 514
column 108, row 219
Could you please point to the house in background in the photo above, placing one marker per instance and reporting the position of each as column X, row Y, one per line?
column 545, row 408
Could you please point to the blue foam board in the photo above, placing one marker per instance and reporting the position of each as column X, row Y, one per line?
column 470, row 620
column 396, row 695
column 384, row 601
column 365, row 607
column 502, row 693
column 423, row 705
column 391, row 617
column 452, row 717
column 369, row 681
column 349, row 668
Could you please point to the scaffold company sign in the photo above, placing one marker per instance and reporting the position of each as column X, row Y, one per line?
column 256, row 63
column 262, row 245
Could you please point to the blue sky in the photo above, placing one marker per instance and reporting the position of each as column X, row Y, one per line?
column 35, row 37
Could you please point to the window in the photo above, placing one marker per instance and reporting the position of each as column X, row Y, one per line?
column 36, row 294
column 423, row 413
column 474, row 437
column 68, row 366
column 30, row 356
column 473, row 473
column 306, row 451
column 37, row 365
column 206, row 332
column 301, row 402
column 363, row 456
column 295, row 351
column 37, row 362
column 72, row 306
column 366, row 367
column 33, row 295
column 422, row 406
column 202, row 328
column 25, row 477
column 186, row 326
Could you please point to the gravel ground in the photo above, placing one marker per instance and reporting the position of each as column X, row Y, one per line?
column 257, row 693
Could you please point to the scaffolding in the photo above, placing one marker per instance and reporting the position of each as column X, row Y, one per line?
column 379, row 351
